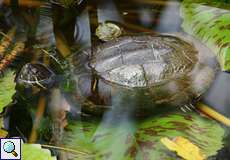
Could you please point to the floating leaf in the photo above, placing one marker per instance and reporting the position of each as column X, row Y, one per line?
column 80, row 136
column 210, row 25
column 128, row 140
column 7, row 89
column 184, row 148
column 35, row 152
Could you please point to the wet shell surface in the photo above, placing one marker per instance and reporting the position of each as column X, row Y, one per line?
column 153, row 69
column 143, row 61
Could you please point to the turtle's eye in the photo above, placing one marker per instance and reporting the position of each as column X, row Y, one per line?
column 33, row 70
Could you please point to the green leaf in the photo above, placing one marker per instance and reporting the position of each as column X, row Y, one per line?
column 141, row 140
column 7, row 89
column 3, row 133
column 35, row 152
column 210, row 25
column 80, row 135
column 201, row 131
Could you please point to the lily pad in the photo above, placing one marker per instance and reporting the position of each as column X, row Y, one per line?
column 141, row 140
column 210, row 24
column 35, row 152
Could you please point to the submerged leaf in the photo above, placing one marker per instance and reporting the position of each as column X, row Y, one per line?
column 127, row 140
column 184, row 148
column 7, row 89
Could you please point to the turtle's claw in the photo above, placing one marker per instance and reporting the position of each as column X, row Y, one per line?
column 183, row 109
column 188, row 108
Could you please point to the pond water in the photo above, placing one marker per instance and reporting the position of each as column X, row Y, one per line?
column 52, row 112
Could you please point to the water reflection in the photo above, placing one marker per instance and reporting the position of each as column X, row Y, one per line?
column 108, row 11
column 155, row 17
column 169, row 19
column 218, row 94
column 76, row 29
column 82, row 34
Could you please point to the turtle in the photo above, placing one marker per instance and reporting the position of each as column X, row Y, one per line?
column 143, row 72
column 38, row 74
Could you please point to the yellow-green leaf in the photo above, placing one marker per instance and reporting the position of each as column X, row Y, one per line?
column 35, row 152
column 184, row 148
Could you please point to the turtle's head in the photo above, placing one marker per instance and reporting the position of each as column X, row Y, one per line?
column 202, row 78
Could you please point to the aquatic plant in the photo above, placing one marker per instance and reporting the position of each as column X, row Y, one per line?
column 35, row 152
column 7, row 89
column 10, row 57
column 210, row 25
column 128, row 140
column 6, row 40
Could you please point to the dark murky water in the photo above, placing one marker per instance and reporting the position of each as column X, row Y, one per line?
column 38, row 113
